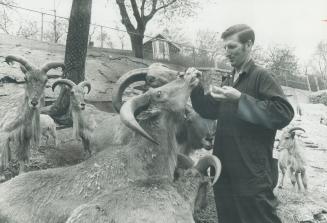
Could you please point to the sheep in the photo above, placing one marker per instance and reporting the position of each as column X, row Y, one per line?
column 83, row 122
column 291, row 159
column 195, row 132
column 133, row 183
column 23, row 131
column 48, row 128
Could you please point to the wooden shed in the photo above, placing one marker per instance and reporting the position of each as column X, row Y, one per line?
column 160, row 48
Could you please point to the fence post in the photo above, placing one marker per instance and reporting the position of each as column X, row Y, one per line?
column 316, row 81
column 193, row 56
column 101, row 34
column 308, row 82
column 42, row 15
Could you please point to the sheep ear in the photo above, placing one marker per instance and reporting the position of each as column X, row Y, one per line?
column 23, row 69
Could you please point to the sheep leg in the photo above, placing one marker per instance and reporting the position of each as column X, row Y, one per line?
column 21, row 166
column 304, row 180
column 282, row 168
column 86, row 145
column 54, row 135
column 298, row 180
column 292, row 176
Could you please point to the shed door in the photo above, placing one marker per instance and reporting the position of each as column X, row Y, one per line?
column 160, row 50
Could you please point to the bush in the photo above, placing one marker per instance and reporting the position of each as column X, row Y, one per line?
column 319, row 97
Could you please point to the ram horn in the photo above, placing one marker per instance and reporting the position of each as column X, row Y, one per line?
column 52, row 65
column 127, row 114
column 123, row 82
column 21, row 60
column 295, row 128
column 67, row 82
column 85, row 84
column 207, row 161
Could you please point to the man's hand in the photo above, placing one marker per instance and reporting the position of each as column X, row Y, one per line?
column 225, row 93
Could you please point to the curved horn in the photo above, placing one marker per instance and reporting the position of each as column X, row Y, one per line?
column 21, row 60
column 123, row 82
column 295, row 128
column 63, row 81
column 85, row 84
column 52, row 65
column 128, row 118
column 207, row 161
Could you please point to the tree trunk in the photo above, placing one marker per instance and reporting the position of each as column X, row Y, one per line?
column 75, row 57
column 137, row 45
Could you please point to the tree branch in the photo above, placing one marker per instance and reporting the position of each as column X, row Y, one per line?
column 125, row 18
column 142, row 8
column 155, row 9
column 136, row 12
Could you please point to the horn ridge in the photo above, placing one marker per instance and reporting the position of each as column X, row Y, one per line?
column 123, row 82
column 66, row 82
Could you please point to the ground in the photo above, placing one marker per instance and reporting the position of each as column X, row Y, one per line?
column 103, row 68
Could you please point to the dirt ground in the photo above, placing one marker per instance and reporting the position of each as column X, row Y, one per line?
column 103, row 68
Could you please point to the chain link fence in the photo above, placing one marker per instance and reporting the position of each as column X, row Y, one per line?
column 49, row 27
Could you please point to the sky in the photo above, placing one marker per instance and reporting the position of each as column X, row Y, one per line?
column 295, row 23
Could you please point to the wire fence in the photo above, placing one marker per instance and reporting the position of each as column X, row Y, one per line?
column 43, row 26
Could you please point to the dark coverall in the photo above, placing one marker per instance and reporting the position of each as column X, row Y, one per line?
column 244, row 143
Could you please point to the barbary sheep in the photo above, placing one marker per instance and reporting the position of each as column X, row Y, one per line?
column 48, row 128
column 23, row 131
column 83, row 122
column 195, row 132
column 133, row 183
column 291, row 158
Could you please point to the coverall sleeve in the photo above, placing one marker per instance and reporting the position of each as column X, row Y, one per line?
column 204, row 104
column 272, row 110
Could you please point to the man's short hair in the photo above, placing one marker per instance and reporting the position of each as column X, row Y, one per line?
column 244, row 33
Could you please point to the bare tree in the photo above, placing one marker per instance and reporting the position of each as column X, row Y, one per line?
column 282, row 60
column 143, row 11
column 28, row 30
column 5, row 22
column 121, row 36
column 92, row 31
column 61, row 31
column 319, row 61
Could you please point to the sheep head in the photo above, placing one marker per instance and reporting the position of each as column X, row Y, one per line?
column 35, row 78
column 155, row 75
column 287, row 138
column 168, row 99
column 76, row 92
column 187, row 171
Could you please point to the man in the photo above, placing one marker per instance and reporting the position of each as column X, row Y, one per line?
column 250, row 106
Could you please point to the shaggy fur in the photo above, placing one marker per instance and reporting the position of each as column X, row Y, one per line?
column 292, row 159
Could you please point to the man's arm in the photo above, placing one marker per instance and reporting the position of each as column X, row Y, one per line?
column 273, row 111
column 204, row 104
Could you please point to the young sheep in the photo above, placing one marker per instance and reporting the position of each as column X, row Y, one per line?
column 23, row 131
column 83, row 122
column 291, row 159
column 48, row 128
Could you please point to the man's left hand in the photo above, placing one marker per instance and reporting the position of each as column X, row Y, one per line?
column 225, row 93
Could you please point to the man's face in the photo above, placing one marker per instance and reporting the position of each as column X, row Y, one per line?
column 236, row 52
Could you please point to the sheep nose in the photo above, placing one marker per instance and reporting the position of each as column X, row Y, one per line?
column 34, row 102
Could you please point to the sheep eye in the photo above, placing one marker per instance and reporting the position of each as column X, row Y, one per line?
column 72, row 92
column 159, row 94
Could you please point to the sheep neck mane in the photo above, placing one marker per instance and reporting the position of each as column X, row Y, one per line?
column 149, row 158
column 26, row 121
